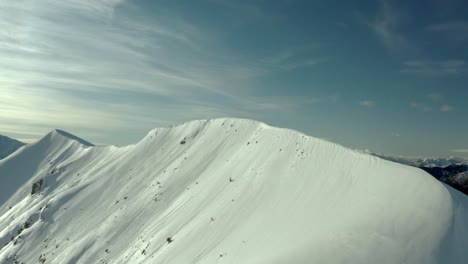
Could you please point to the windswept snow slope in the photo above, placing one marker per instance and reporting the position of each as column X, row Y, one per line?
column 223, row 191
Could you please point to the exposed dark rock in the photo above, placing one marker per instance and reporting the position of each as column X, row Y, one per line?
column 453, row 175
column 36, row 187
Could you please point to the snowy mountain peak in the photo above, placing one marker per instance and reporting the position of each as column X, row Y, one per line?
column 8, row 146
column 60, row 135
column 191, row 129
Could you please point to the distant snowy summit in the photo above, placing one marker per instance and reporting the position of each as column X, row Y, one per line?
column 424, row 162
column 222, row 191
column 61, row 136
column 8, row 146
column 440, row 162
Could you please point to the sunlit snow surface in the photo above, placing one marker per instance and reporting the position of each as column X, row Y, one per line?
column 223, row 191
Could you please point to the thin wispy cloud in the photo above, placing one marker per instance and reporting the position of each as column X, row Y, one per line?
column 341, row 24
column 96, row 53
column 457, row 30
column 87, row 7
column 292, row 59
column 423, row 107
column 420, row 107
column 435, row 97
column 446, row 108
column 451, row 67
column 367, row 103
column 386, row 25
column 280, row 102
column 289, row 66
column 252, row 11
column 57, row 55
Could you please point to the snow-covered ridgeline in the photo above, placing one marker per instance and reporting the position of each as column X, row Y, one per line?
column 222, row 191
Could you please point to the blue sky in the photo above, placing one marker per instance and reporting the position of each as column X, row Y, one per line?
column 389, row 76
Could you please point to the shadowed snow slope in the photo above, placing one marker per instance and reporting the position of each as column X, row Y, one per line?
column 223, row 191
column 8, row 146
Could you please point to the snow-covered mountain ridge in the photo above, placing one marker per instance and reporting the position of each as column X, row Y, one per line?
column 8, row 146
column 222, row 191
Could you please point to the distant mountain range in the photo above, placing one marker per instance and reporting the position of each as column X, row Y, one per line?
column 424, row 162
column 450, row 170
column 8, row 146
